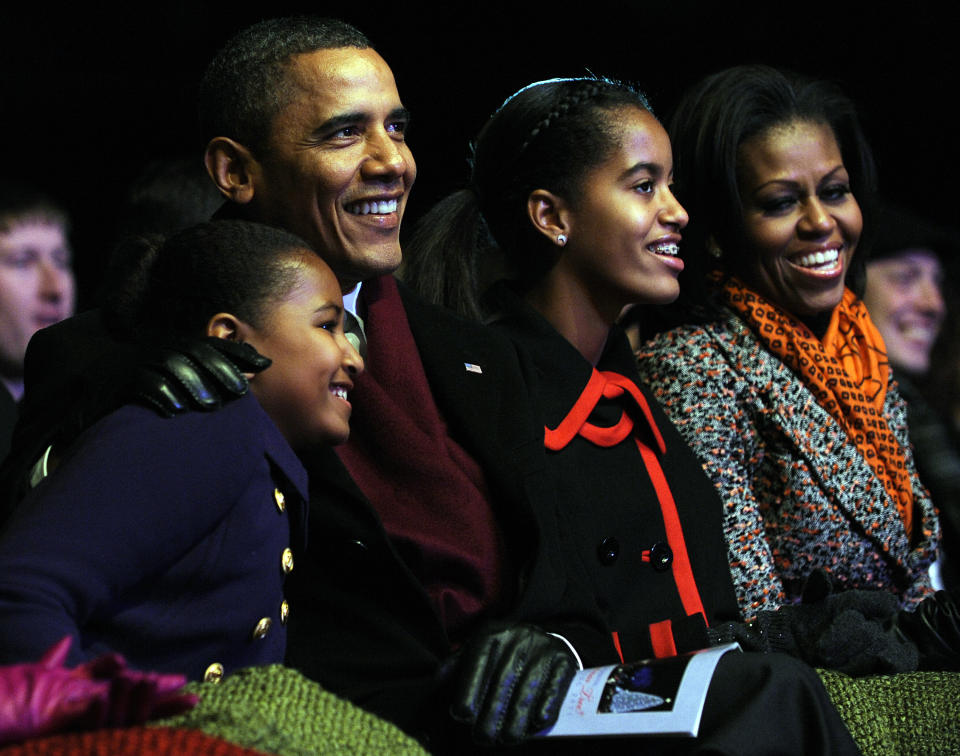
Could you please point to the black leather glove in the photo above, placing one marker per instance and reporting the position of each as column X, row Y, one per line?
column 934, row 626
column 509, row 682
column 855, row 632
column 194, row 374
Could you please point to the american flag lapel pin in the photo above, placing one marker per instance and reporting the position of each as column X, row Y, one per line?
column 471, row 368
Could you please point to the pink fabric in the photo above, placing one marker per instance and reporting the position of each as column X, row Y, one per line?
column 46, row 697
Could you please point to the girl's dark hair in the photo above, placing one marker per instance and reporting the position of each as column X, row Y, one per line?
column 172, row 287
column 546, row 136
column 707, row 130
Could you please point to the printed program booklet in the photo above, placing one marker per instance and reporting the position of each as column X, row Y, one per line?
column 651, row 697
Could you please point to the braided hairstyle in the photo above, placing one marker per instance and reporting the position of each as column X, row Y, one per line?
column 548, row 135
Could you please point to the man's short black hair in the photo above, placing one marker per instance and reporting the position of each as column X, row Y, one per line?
column 245, row 85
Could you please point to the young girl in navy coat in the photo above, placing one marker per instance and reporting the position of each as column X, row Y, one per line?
column 169, row 539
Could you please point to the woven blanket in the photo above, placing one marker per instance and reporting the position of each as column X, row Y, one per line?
column 915, row 713
column 278, row 710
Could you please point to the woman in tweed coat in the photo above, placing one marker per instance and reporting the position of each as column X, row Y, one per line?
column 776, row 376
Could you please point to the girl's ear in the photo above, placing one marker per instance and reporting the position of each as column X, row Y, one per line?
column 223, row 325
column 229, row 327
column 550, row 215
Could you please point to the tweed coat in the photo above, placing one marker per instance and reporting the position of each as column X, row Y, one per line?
column 798, row 495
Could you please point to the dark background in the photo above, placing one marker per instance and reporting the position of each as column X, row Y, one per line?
column 90, row 95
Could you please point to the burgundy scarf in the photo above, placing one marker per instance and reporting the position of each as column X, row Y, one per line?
column 429, row 492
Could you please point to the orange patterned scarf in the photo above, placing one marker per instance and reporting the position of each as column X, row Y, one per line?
column 847, row 372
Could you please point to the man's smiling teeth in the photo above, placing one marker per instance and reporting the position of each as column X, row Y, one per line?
column 817, row 258
column 339, row 391
column 668, row 248
column 372, row 208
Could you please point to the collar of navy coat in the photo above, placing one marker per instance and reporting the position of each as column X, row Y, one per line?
column 776, row 393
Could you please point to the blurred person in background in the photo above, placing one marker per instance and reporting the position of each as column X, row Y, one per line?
column 37, row 287
column 906, row 296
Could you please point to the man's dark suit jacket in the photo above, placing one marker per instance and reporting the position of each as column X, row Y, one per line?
column 362, row 623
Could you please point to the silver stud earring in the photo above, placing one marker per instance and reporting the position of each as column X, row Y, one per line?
column 561, row 239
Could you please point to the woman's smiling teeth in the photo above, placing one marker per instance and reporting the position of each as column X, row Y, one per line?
column 372, row 208
column 339, row 391
column 665, row 248
column 812, row 260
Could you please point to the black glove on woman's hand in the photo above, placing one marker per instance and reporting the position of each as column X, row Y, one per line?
column 855, row 632
column 509, row 682
column 194, row 374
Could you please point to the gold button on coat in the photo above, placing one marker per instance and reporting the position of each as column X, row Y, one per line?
column 286, row 559
column 262, row 628
column 278, row 497
column 284, row 612
column 213, row 673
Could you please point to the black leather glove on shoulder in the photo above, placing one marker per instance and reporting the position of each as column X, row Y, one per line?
column 855, row 632
column 509, row 682
column 194, row 374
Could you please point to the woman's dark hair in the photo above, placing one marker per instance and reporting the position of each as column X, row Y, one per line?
column 712, row 122
column 546, row 136
column 162, row 288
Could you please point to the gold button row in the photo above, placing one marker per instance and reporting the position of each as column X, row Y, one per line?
column 214, row 672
